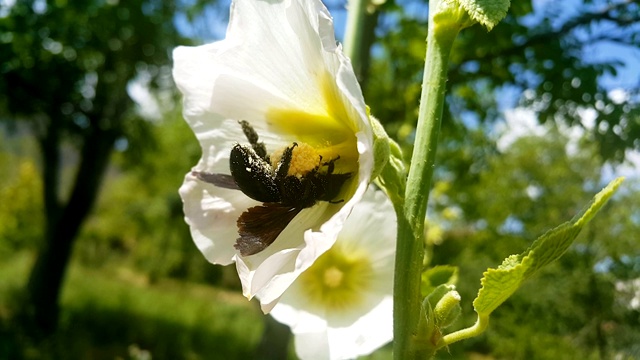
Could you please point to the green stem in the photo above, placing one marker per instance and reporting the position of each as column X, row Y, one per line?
column 478, row 328
column 354, row 33
column 410, row 247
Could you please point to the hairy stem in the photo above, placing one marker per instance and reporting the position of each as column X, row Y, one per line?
column 410, row 247
column 354, row 33
column 478, row 328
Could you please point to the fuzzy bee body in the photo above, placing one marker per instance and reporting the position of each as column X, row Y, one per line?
column 283, row 195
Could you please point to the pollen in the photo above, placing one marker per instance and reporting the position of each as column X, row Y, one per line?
column 304, row 159
column 338, row 280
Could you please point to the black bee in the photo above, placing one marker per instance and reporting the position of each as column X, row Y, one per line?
column 283, row 195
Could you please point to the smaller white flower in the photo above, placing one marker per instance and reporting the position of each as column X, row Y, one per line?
column 342, row 306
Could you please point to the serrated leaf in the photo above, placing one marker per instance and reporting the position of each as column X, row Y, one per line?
column 486, row 12
column 499, row 284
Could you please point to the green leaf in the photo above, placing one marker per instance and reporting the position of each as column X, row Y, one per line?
column 436, row 276
column 486, row 12
column 499, row 284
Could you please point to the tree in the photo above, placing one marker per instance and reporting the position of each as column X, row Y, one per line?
column 138, row 218
column 543, row 60
column 65, row 71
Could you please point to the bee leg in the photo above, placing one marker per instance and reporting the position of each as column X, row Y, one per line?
column 253, row 138
column 285, row 161
column 330, row 164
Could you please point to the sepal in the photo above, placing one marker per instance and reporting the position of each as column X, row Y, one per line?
column 388, row 169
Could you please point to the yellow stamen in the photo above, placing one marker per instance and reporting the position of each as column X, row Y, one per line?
column 333, row 277
column 303, row 159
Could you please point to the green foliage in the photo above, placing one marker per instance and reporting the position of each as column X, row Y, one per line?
column 438, row 310
column 541, row 60
column 519, row 192
column 536, row 323
column 66, row 68
column 71, row 60
column 499, row 284
column 115, row 313
column 139, row 216
column 21, row 220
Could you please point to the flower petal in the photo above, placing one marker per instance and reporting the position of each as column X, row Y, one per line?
column 315, row 339
column 275, row 44
column 365, row 335
column 211, row 213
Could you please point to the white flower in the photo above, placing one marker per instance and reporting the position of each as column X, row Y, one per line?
column 342, row 306
column 280, row 70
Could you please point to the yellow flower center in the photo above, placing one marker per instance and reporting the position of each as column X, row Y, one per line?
column 337, row 280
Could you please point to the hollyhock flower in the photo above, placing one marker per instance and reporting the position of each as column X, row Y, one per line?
column 342, row 306
column 279, row 100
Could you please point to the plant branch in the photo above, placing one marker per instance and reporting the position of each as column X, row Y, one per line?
column 410, row 246
column 354, row 33
column 478, row 328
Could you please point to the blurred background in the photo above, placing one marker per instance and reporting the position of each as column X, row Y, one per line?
column 97, row 263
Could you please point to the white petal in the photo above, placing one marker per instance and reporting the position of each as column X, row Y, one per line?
column 195, row 77
column 311, row 340
column 211, row 213
column 276, row 46
column 346, row 335
column 372, row 225
column 312, row 346
column 203, row 84
column 365, row 335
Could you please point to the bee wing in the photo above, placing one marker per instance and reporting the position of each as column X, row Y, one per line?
column 220, row 180
column 259, row 226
